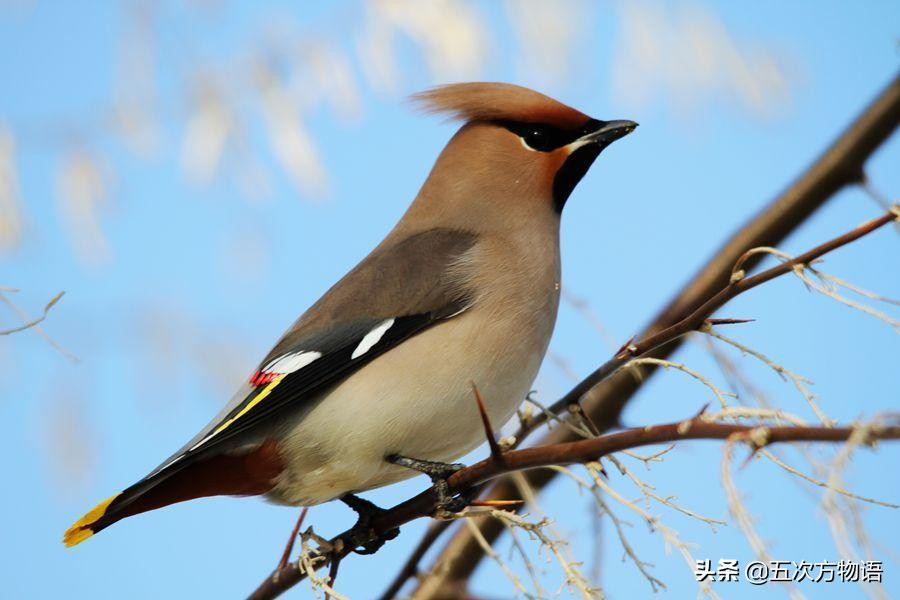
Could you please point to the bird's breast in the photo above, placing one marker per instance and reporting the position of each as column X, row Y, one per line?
column 417, row 400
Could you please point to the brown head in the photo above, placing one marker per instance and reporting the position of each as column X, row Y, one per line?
column 519, row 153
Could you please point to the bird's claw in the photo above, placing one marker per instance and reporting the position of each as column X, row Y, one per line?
column 438, row 472
column 361, row 536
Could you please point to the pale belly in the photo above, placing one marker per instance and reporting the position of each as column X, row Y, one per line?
column 417, row 401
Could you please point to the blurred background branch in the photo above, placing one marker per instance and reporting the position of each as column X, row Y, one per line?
column 28, row 323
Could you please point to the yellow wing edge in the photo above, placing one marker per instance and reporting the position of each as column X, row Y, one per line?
column 81, row 530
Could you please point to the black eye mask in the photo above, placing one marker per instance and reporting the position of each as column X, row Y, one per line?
column 546, row 138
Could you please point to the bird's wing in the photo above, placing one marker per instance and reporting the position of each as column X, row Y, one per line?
column 398, row 291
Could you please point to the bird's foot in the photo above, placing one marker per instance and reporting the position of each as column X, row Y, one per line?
column 438, row 472
column 361, row 535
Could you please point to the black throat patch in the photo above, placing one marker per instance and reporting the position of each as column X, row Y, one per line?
column 571, row 172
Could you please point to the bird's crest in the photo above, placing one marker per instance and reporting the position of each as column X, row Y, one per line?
column 498, row 102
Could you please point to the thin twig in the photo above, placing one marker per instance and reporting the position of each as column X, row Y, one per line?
column 289, row 548
column 496, row 452
column 33, row 322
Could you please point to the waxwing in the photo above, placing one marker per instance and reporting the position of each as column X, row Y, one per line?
column 375, row 380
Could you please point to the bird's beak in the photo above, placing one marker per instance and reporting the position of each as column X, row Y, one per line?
column 607, row 133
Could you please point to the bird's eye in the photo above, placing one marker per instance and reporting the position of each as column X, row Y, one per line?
column 537, row 138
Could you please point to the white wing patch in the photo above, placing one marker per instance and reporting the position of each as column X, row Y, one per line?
column 291, row 362
column 284, row 365
column 371, row 338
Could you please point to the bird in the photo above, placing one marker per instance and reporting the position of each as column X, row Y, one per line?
column 373, row 383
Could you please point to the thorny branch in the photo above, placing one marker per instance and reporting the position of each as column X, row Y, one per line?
column 697, row 428
column 604, row 396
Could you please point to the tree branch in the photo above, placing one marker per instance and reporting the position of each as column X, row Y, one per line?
column 758, row 436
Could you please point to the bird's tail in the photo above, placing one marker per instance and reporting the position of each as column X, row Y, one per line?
column 243, row 474
column 147, row 494
column 85, row 526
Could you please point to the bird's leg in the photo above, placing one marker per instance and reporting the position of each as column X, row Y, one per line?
column 361, row 532
column 438, row 472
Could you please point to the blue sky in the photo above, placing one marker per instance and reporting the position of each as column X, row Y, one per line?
column 199, row 279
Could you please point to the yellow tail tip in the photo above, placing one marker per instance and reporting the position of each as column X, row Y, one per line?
column 81, row 530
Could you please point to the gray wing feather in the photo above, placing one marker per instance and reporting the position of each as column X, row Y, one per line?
column 414, row 280
column 414, row 275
